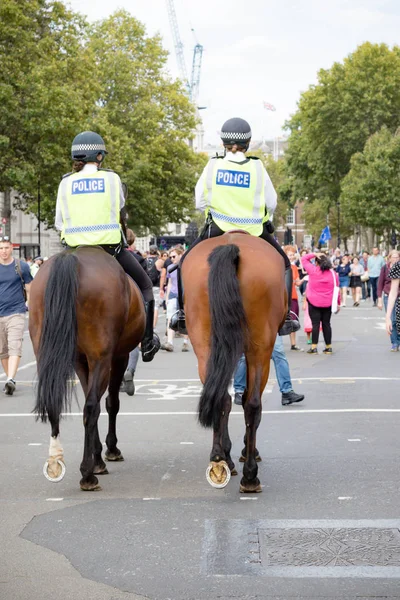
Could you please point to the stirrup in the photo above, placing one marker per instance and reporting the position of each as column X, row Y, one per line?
column 290, row 325
column 150, row 348
column 177, row 322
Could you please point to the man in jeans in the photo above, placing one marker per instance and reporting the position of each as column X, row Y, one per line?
column 13, row 277
column 282, row 374
column 375, row 264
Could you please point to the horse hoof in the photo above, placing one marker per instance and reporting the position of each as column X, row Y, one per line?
column 234, row 472
column 100, row 470
column 242, row 458
column 218, row 474
column 57, row 470
column 111, row 457
column 90, row 487
column 249, row 489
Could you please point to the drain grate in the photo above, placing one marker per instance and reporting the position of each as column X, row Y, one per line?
column 342, row 547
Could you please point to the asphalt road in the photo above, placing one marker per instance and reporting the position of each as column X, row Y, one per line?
column 326, row 525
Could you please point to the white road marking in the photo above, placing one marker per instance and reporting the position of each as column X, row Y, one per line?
column 186, row 443
column 354, row 440
column 35, row 444
column 248, row 498
column 151, row 498
column 54, row 500
column 291, row 411
column 345, row 497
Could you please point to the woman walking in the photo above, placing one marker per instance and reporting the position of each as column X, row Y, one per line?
column 356, row 270
column 393, row 300
column 343, row 270
column 384, row 287
column 321, row 288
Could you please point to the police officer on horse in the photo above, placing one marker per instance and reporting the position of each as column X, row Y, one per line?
column 89, row 203
column 236, row 192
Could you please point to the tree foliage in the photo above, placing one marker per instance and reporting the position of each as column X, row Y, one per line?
column 371, row 190
column 61, row 77
column 335, row 117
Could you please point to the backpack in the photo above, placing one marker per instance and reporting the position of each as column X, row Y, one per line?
column 152, row 270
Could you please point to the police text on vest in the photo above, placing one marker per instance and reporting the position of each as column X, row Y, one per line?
column 233, row 178
column 88, row 186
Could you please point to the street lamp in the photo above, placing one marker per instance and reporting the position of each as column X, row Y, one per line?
column 338, row 224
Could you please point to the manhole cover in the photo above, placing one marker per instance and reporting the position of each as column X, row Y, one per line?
column 342, row 547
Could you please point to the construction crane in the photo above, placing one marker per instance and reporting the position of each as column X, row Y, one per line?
column 192, row 86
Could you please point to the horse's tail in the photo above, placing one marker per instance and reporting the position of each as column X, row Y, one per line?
column 229, row 331
column 57, row 347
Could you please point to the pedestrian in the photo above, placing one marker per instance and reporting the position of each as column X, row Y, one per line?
column 282, row 374
column 128, row 385
column 356, row 272
column 90, row 205
column 375, row 264
column 366, row 284
column 393, row 300
column 384, row 284
column 15, row 280
column 302, row 272
column 322, row 296
column 36, row 264
column 172, row 301
column 154, row 265
column 343, row 270
column 290, row 252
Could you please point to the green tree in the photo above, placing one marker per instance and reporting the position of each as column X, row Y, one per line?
column 146, row 119
column 371, row 190
column 335, row 117
column 46, row 91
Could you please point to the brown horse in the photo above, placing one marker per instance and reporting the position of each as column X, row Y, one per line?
column 235, row 303
column 85, row 315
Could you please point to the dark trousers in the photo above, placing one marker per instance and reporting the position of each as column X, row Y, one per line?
column 366, row 289
column 374, row 287
column 212, row 230
column 132, row 267
column 320, row 314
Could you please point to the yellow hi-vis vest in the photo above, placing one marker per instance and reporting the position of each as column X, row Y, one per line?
column 235, row 195
column 90, row 208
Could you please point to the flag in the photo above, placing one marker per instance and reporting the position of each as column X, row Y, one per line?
column 325, row 235
column 269, row 106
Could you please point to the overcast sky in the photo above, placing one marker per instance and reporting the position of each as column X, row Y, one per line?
column 259, row 50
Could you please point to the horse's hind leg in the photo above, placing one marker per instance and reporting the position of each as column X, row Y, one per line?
column 97, row 383
column 118, row 368
column 252, row 414
column 220, row 457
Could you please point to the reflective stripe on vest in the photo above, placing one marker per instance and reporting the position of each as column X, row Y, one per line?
column 235, row 194
column 90, row 209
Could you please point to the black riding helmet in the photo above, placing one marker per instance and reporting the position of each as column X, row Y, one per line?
column 86, row 147
column 236, row 131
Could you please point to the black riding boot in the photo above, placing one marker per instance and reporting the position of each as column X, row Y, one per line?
column 150, row 344
column 178, row 321
column 290, row 325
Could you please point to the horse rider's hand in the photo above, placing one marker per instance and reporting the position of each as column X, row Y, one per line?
column 389, row 324
column 380, row 304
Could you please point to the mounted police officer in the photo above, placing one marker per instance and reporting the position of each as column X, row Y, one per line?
column 88, row 208
column 235, row 192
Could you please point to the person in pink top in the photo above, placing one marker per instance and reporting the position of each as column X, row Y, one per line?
column 319, row 293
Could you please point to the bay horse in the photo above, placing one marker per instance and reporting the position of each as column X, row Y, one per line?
column 235, row 302
column 85, row 316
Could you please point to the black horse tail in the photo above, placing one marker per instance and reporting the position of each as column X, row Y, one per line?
column 57, row 347
column 229, row 331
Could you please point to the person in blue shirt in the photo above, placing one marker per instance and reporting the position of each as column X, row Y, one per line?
column 343, row 270
column 375, row 264
column 282, row 374
column 15, row 280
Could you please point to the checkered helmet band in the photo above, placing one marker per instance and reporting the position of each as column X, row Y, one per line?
column 235, row 130
column 88, row 147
